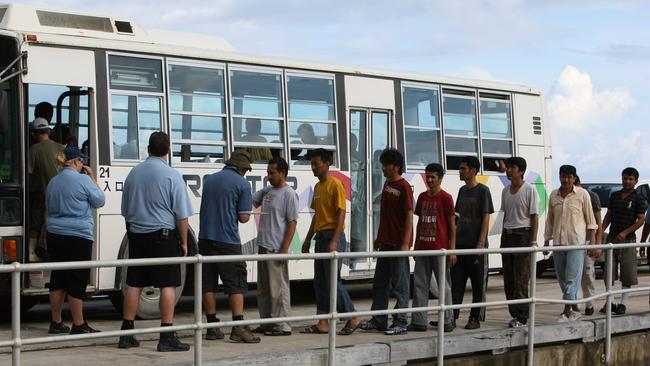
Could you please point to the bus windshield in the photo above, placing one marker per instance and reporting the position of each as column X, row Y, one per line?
column 9, row 117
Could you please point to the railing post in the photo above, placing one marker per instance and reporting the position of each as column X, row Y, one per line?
column 331, row 349
column 15, row 314
column 531, row 307
column 442, row 282
column 608, row 317
column 198, row 311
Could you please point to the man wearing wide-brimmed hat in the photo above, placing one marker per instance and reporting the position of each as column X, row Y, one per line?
column 226, row 201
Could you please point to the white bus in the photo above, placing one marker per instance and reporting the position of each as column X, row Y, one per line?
column 113, row 83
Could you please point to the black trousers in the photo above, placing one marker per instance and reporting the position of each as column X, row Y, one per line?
column 516, row 272
column 473, row 267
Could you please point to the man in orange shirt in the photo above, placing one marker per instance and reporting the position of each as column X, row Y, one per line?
column 327, row 225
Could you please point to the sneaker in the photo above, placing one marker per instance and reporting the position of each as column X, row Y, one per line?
column 416, row 328
column 620, row 309
column 83, row 328
column 370, row 326
column 563, row 318
column 213, row 334
column 128, row 342
column 170, row 343
column 575, row 315
column 58, row 328
column 603, row 310
column 473, row 323
column 395, row 329
column 514, row 323
column 449, row 327
column 243, row 335
column 589, row 311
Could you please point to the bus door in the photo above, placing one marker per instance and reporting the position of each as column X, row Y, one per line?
column 369, row 136
column 64, row 78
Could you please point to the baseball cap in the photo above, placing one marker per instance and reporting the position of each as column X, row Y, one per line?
column 72, row 152
column 40, row 124
column 240, row 159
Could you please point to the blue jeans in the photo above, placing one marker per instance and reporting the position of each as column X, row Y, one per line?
column 322, row 277
column 390, row 274
column 568, row 267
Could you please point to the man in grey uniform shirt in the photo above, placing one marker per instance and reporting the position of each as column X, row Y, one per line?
column 278, row 219
column 155, row 206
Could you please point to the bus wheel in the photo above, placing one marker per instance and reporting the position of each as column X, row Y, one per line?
column 148, row 306
column 26, row 303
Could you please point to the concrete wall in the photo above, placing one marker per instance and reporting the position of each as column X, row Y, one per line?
column 627, row 350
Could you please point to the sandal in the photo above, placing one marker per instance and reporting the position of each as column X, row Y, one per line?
column 349, row 328
column 312, row 329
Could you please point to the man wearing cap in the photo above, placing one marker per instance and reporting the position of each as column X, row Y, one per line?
column 156, row 208
column 70, row 198
column 45, row 160
column 226, row 201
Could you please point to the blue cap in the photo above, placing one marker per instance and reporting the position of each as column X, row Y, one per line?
column 72, row 152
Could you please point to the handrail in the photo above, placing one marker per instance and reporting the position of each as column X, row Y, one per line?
column 198, row 260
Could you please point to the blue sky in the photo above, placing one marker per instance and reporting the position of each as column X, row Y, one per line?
column 591, row 58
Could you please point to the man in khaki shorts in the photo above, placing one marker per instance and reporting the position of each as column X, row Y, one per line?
column 626, row 214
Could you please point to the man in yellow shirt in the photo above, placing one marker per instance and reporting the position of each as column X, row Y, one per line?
column 328, row 224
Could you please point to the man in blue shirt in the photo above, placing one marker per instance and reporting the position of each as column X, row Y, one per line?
column 226, row 201
column 156, row 206
column 69, row 201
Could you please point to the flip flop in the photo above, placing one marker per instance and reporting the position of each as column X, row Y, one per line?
column 312, row 329
column 349, row 328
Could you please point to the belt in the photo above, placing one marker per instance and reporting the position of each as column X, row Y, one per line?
column 517, row 230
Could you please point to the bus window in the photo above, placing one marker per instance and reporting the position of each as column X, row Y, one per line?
column 136, row 74
column 134, row 119
column 134, row 116
column 74, row 112
column 197, row 113
column 312, row 115
column 459, row 113
column 421, row 126
column 258, row 118
column 496, row 131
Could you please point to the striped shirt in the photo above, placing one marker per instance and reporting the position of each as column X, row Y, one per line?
column 623, row 211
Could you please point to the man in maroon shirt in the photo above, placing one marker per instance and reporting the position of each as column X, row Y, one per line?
column 436, row 230
column 395, row 233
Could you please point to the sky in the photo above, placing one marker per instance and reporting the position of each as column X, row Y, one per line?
column 591, row 58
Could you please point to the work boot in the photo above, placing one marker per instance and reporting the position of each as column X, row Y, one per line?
column 169, row 342
column 243, row 335
column 128, row 342
column 213, row 334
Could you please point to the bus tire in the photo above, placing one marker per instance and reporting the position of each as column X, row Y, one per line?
column 148, row 306
column 26, row 303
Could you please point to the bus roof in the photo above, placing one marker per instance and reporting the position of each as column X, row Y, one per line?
column 89, row 30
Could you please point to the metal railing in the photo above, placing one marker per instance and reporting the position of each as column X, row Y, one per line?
column 198, row 260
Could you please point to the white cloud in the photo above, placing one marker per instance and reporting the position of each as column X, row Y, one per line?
column 576, row 106
column 590, row 128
